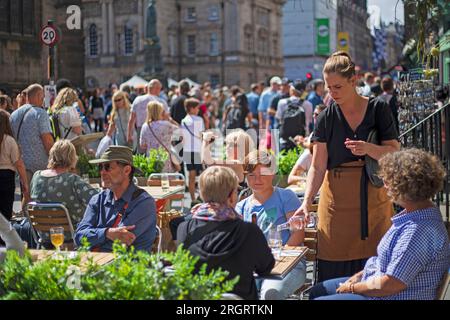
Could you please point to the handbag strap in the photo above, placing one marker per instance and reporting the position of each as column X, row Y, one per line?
column 157, row 139
column 21, row 122
column 192, row 134
column 120, row 214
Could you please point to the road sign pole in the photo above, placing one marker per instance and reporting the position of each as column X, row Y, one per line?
column 51, row 58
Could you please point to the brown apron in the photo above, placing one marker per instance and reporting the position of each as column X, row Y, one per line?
column 339, row 225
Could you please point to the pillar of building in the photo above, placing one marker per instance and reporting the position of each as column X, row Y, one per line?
column 104, row 28
column 111, row 32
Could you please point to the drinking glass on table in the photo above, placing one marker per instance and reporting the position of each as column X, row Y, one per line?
column 165, row 184
column 57, row 237
column 275, row 242
column 301, row 184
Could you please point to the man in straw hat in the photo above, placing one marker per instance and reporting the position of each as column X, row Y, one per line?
column 122, row 211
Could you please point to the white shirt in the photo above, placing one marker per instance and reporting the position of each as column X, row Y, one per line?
column 139, row 107
column 68, row 118
column 305, row 160
column 192, row 127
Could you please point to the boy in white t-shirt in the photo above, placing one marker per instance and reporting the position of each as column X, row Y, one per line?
column 192, row 126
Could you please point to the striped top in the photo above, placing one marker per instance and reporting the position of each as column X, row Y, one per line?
column 416, row 251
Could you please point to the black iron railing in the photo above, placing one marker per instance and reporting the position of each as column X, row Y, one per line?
column 433, row 135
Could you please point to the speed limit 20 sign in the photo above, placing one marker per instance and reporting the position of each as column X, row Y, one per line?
column 49, row 35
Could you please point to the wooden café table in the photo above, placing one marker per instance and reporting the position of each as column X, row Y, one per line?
column 290, row 257
column 100, row 258
column 158, row 192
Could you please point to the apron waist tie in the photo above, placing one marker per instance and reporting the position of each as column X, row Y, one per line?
column 364, row 204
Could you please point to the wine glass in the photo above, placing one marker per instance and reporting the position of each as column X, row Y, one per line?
column 275, row 242
column 57, row 237
column 165, row 184
column 301, row 184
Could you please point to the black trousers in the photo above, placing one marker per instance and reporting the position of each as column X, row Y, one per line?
column 338, row 269
column 98, row 125
column 7, row 188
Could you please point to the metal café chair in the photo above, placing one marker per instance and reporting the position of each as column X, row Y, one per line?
column 44, row 216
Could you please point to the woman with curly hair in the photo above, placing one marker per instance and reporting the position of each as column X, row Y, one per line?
column 414, row 254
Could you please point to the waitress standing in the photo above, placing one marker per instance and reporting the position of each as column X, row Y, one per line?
column 353, row 213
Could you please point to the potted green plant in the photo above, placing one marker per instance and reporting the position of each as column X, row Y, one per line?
column 132, row 275
column 84, row 167
column 286, row 161
column 153, row 163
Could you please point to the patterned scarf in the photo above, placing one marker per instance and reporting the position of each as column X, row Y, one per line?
column 212, row 211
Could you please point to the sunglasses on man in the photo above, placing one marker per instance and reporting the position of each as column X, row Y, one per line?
column 107, row 166
column 104, row 166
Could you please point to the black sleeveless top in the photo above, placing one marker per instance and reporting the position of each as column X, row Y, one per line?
column 333, row 129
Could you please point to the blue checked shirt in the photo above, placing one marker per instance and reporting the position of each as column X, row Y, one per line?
column 416, row 251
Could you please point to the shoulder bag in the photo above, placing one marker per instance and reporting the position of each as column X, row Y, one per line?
column 173, row 159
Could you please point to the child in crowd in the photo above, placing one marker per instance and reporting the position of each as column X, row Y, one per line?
column 192, row 126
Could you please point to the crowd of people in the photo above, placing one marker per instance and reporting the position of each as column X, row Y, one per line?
column 225, row 141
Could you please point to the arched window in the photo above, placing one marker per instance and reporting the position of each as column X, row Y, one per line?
column 93, row 41
column 128, row 36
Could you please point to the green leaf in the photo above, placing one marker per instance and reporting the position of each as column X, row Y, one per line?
column 287, row 160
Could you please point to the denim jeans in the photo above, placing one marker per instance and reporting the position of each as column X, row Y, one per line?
column 274, row 289
column 327, row 291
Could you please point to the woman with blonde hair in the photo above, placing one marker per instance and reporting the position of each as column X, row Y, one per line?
column 59, row 183
column 119, row 118
column 353, row 213
column 69, row 119
column 238, row 144
column 157, row 133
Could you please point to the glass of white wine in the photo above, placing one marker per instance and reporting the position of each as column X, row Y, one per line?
column 57, row 237
column 275, row 242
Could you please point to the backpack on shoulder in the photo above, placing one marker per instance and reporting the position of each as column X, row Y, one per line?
column 55, row 126
column 293, row 120
column 234, row 118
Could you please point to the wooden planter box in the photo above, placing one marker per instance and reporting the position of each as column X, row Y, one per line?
column 142, row 181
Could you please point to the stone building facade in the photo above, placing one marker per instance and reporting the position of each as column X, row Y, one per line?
column 23, row 58
column 222, row 41
column 301, row 36
column 352, row 17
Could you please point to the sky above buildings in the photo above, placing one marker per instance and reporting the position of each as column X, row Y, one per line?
column 386, row 8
